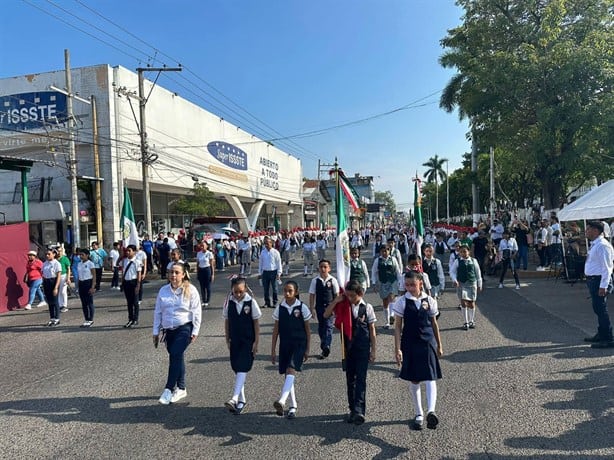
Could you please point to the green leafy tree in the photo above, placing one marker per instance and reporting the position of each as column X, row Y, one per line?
column 387, row 200
column 535, row 78
column 435, row 173
column 200, row 202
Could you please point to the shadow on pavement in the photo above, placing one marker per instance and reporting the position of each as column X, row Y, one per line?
column 214, row 422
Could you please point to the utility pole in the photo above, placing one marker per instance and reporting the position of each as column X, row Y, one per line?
column 97, row 185
column 145, row 157
column 320, row 166
column 72, row 158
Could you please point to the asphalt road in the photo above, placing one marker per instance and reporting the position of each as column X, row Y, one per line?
column 521, row 385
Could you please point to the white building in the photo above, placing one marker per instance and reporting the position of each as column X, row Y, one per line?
column 185, row 143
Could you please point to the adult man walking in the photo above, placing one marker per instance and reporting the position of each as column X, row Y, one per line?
column 269, row 271
column 598, row 272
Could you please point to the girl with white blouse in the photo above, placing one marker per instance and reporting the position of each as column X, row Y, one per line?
column 177, row 317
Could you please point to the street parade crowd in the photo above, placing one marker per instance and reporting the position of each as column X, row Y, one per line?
column 408, row 273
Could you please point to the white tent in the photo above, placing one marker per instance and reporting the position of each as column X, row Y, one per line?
column 596, row 204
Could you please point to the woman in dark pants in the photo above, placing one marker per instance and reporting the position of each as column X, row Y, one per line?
column 177, row 316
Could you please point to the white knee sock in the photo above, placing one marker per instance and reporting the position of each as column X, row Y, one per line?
column 416, row 396
column 239, row 384
column 292, row 397
column 387, row 315
column 465, row 314
column 285, row 391
column 472, row 314
column 431, row 395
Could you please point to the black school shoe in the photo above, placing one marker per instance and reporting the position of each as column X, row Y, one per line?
column 594, row 339
column 359, row 419
column 325, row 352
column 350, row 417
column 431, row 421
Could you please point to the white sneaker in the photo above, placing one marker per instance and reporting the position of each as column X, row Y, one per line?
column 541, row 269
column 500, row 285
column 166, row 396
column 42, row 304
column 518, row 287
column 178, row 394
column 28, row 307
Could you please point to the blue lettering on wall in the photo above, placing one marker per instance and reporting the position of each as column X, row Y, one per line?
column 228, row 154
column 32, row 111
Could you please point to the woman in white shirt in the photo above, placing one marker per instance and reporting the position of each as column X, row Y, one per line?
column 205, row 261
column 177, row 317
column 52, row 273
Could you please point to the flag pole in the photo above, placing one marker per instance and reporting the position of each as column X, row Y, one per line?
column 343, row 364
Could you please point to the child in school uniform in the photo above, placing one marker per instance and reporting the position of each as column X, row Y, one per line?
column 242, row 329
column 322, row 290
column 467, row 277
column 357, row 270
column 414, row 264
column 418, row 346
column 292, row 328
column 360, row 348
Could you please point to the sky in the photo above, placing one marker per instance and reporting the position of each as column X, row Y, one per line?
column 354, row 80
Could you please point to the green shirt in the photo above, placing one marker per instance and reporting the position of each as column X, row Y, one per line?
column 65, row 264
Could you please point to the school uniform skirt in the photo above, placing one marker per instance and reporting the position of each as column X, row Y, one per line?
column 241, row 356
column 291, row 354
column 420, row 362
column 467, row 291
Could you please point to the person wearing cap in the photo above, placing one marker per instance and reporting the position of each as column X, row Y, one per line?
column 34, row 279
column 598, row 272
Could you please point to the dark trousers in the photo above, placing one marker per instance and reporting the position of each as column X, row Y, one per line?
column 52, row 300
column 556, row 253
column 269, row 282
column 543, row 253
column 87, row 299
column 505, row 264
column 204, row 279
column 115, row 279
column 98, row 278
column 600, row 307
column 163, row 264
column 325, row 328
column 131, row 295
column 177, row 340
column 357, row 362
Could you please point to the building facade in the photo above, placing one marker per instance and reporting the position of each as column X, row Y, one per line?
column 185, row 143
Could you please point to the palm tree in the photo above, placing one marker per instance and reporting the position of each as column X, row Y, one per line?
column 434, row 174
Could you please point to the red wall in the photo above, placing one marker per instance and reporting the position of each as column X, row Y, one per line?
column 14, row 247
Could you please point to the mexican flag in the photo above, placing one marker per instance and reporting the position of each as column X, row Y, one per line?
column 349, row 191
column 343, row 315
column 130, row 234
